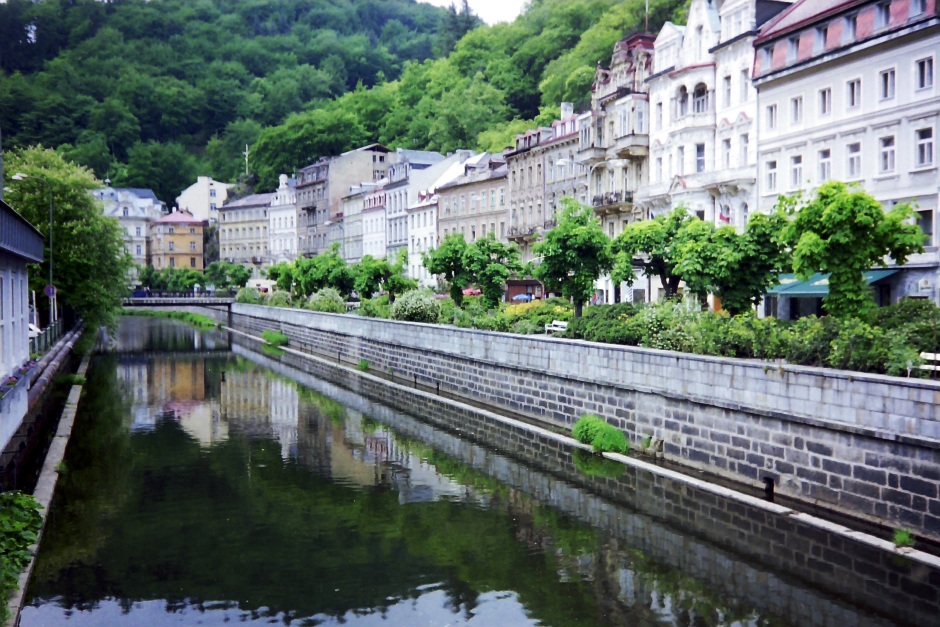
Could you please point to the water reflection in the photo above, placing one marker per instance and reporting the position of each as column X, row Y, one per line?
column 207, row 488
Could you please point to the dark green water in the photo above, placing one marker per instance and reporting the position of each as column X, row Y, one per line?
column 202, row 488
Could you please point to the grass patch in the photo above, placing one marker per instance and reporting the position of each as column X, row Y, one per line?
column 68, row 380
column 274, row 338
column 271, row 351
column 602, row 436
column 903, row 538
column 197, row 320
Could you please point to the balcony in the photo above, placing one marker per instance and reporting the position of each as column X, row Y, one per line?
column 591, row 155
column 522, row 234
column 631, row 146
column 612, row 203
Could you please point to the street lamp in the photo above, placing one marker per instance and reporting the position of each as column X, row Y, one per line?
column 50, row 289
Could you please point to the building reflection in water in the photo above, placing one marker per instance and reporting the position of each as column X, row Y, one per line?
column 212, row 399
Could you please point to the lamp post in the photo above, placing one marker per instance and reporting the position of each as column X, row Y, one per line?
column 50, row 289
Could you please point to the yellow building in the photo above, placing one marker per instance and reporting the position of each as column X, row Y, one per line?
column 177, row 242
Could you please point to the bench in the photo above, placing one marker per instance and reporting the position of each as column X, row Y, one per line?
column 931, row 361
column 556, row 326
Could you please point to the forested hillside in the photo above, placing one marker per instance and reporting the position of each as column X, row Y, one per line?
column 151, row 94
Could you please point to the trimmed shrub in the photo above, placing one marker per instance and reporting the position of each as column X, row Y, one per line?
column 278, row 298
column 601, row 435
column 327, row 300
column 248, row 295
column 416, row 306
column 374, row 307
column 808, row 340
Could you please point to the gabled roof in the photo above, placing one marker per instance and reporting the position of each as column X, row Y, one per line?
column 252, row 200
column 799, row 13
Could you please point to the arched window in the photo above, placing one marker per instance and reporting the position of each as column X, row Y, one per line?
column 682, row 101
column 700, row 98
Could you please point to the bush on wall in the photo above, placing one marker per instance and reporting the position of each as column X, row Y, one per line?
column 417, row 306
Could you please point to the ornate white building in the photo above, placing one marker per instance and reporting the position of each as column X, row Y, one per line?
column 282, row 227
column 848, row 91
column 136, row 210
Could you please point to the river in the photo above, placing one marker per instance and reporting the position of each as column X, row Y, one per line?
column 207, row 484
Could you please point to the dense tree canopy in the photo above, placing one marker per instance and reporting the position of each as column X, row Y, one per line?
column 110, row 83
column 90, row 266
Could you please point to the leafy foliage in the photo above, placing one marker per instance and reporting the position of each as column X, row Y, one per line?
column 417, row 306
column 600, row 434
column 491, row 262
column 659, row 241
column 447, row 260
column 327, row 300
column 20, row 523
column 574, row 254
column 248, row 295
column 844, row 231
column 274, row 338
column 90, row 267
column 278, row 298
column 224, row 274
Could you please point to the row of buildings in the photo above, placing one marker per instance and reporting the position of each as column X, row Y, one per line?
column 750, row 99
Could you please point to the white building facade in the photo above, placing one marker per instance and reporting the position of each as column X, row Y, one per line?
column 848, row 91
column 136, row 210
column 203, row 199
column 282, row 227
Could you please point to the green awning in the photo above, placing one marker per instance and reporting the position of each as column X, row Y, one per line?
column 817, row 286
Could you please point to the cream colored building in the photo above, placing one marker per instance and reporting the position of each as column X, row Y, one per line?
column 243, row 231
column 204, row 198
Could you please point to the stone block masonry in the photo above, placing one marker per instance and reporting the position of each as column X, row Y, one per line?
column 865, row 445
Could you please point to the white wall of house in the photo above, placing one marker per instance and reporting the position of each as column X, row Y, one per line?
column 203, row 198
column 282, row 228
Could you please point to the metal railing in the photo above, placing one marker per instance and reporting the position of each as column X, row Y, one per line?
column 46, row 338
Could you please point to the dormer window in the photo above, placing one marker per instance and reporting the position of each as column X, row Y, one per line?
column 882, row 14
column 822, row 34
column 793, row 48
column 849, row 28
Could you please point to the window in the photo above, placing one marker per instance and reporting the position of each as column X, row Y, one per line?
column 659, row 116
column 172, row 262
column 726, row 90
column 925, row 146
column 771, row 168
column 137, row 231
column 172, row 245
column 771, row 117
column 886, row 84
column 682, row 101
column 212, row 206
column 680, row 160
column 124, row 212
column 699, row 157
column 825, row 165
column 139, row 252
column 882, row 14
column 848, row 28
column 192, row 231
column 192, row 246
column 822, row 34
column 744, row 149
column 924, row 69
column 918, row 7
column 854, row 164
column 659, row 169
column 853, row 96
column 793, row 48
column 796, row 171
column 211, row 193
column 925, row 220
column 825, row 101
column 767, row 58
column 171, row 230
column 726, row 153
column 796, row 110
column 745, row 81
column 192, row 262
column 886, row 161
column 700, row 99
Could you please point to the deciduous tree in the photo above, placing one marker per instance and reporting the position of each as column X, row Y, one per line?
column 573, row 254
column 449, row 261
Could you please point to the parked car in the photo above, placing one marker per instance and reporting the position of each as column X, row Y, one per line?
column 522, row 298
column 471, row 291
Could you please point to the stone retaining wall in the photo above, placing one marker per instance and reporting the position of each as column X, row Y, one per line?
column 866, row 445
column 774, row 560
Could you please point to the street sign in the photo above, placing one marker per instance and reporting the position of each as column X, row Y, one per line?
column 49, row 291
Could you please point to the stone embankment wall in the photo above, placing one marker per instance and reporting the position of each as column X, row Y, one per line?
column 866, row 445
column 217, row 313
column 728, row 536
